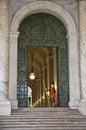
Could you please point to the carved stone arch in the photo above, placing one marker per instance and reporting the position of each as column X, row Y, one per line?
column 46, row 7
column 65, row 17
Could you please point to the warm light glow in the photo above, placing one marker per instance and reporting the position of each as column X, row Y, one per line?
column 47, row 93
column 32, row 76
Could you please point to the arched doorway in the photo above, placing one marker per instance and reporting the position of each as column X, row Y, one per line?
column 68, row 21
column 43, row 30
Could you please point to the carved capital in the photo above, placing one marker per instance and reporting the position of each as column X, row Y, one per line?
column 14, row 35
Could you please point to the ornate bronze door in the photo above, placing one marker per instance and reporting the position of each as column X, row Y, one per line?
column 43, row 29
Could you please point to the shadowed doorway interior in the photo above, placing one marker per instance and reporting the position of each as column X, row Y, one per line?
column 44, row 67
column 45, row 34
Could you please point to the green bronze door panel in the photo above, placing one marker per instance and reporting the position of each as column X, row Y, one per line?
column 45, row 30
column 63, row 81
column 22, row 78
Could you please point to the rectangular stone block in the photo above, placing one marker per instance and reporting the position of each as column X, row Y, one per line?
column 5, row 107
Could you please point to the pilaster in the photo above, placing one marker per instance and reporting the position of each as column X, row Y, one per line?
column 82, row 13
column 12, row 71
column 74, row 86
column 5, row 106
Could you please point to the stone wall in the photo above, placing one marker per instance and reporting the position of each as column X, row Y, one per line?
column 69, row 5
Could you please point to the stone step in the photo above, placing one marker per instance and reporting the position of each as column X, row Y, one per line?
column 25, row 113
column 48, row 128
column 55, row 109
column 45, row 128
column 39, row 111
column 31, row 123
column 41, row 123
column 47, row 115
column 43, row 119
column 45, row 110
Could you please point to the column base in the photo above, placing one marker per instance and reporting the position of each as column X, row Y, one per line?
column 14, row 103
column 74, row 104
column 5, row 107
column 82, row 107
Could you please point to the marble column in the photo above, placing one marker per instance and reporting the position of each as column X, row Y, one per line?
column 40, row 89
column 5, row 106
column 48, row 83
column 48, row 73
column 55, row 72
column 44, row 85
column 13, row 70
column 51, row 66
column 42, row 78
column 82, row 13
column 74, row 86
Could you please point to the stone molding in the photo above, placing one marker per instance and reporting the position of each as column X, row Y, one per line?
column 14, row 35
column 72, row 35
column 46, row 7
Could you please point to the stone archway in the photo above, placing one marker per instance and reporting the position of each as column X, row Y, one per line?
column 64, row 16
